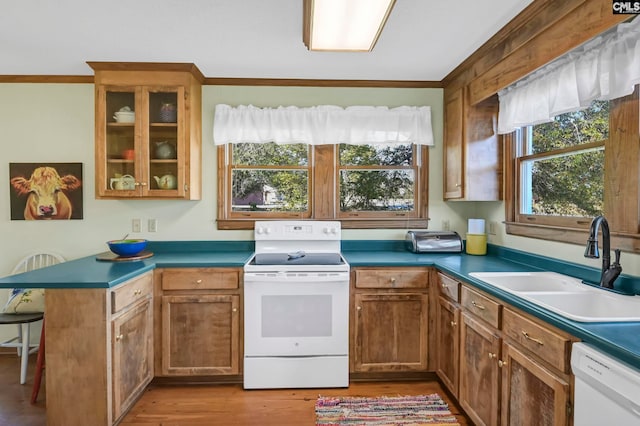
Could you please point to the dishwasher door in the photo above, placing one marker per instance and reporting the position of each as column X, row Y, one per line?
column 607, row 391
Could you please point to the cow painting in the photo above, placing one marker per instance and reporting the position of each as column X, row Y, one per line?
column 46, row 193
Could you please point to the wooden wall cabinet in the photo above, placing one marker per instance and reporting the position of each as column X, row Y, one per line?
column 201, row 328
column 472, row 148
column 99, row 351
column 389, row 320
column 156, row 152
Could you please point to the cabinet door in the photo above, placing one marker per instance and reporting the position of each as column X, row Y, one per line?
column 448, row 343
column 453, row 145
column 165, row 159
column 479, row 372
column 390, row 332
column 531, row 394
column 118, row 151
column 132, row 344
column 200, row 335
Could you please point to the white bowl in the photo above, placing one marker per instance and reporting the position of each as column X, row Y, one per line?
column 125, row 116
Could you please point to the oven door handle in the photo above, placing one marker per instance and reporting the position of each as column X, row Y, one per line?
column 289, row 277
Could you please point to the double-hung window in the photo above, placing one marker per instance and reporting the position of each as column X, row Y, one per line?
column 379, row 180
column 560, row 167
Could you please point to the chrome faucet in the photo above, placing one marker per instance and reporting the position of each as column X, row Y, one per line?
column 609, row 272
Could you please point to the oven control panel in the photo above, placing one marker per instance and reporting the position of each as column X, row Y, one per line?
column 297, row 230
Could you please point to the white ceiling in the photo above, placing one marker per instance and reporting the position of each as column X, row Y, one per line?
column 422, row 40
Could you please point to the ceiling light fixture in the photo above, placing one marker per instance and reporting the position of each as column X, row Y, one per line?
column 344, row 25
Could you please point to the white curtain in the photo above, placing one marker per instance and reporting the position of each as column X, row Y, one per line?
column 325, row 124
column 605, row 68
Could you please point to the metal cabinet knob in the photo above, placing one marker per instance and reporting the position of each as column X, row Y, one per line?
column 492, row 355
column 393, row 280
column 359, row 308
column 198, row 281
column 502, row 363
column 119, row 337
column 453, row 323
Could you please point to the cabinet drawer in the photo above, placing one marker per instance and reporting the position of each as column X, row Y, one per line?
column 549, row 345
column 448, row 287
column 200, row 279
column 131, row 291
column 481, row 306
column 392, row 278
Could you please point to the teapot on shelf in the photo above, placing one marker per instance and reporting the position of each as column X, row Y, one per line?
column 168, row 181
column 165, row 150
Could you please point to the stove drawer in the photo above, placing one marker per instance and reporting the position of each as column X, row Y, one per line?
column 200, row 279
column 392, row 278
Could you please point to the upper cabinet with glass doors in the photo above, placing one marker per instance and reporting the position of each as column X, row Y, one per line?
column 148, row 130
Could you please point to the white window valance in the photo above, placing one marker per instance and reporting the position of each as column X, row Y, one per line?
column 324, row 124
column 605, row 68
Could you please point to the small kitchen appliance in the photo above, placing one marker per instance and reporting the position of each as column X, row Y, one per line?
column 296, row 307
column 433, row 242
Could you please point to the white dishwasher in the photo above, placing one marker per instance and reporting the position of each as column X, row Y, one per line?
column 607, row 391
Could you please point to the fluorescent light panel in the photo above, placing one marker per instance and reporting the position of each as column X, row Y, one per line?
column 352, row 25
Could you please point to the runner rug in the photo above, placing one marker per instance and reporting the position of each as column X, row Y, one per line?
column 384, row 410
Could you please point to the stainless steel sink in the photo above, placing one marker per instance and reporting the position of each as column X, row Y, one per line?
column 566, row 295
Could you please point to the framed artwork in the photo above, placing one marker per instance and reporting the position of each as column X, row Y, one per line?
column 45, row 191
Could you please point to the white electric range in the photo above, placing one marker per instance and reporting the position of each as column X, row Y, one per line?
column 296, row 307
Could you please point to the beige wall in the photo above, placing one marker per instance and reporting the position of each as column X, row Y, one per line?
column 54, row 123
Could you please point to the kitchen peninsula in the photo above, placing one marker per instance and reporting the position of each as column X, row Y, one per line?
column 93, row 306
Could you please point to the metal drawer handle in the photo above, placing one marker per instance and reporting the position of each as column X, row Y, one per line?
column 533, row 339
column 477, row 305
column 137, row 292
column 393, row 280
column 198, row 281
column 444, row 285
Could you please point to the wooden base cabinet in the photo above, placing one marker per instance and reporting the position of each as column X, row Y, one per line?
column 132, row 356
column 389, row 320
column 200, row 335
column 479, row 372
column 448, row 343
column 99, row 351
column 446, row 295
column 532, row 395
column 200, row 330
column 390, row 332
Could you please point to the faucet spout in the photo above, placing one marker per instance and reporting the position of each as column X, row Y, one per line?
column 609, row 272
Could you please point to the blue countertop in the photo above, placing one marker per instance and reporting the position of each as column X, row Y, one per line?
column 621, row 340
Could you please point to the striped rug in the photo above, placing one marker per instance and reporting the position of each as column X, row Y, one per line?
column 384, row 410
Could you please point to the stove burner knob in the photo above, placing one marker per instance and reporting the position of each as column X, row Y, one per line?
column 259, row 230
column 267, row 231
column 334, row 231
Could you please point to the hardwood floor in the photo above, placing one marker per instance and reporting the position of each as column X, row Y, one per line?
column 200, row 405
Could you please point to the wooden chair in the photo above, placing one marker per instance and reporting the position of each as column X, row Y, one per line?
column 24, row 320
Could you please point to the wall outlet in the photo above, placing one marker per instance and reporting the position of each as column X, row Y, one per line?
column 493, row 228
column 446, row 225
column 152, row 225
column 135, row 225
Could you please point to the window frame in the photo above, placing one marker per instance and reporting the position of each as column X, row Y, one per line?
column 324, row 195
column 621, row 187
column 269, row 215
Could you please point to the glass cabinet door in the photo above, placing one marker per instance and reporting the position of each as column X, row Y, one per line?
column 164, row 146
column 120, row 140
